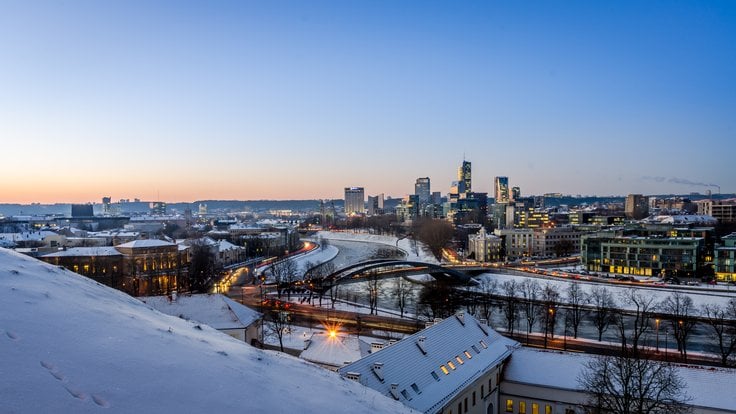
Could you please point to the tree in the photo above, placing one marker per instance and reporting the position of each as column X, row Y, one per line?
column 510, row 305
column 284, row 273
column 402, row 293
column 487, row 289
column 642, row 308
column 722, row 322
column 550, row 300
column 563, row 248
column 279, row 323
column 434, row 233
column 373, row 285
column 625, row 384
column 604, row 309
column 679, row 307
column 202, row 267
column 576, row 298
column 531, row 291
column 439, row 299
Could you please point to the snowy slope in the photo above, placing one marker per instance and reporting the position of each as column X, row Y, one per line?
column 421, row 254
column 68, row 344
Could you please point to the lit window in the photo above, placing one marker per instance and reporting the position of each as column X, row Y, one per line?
column 450, row 364
column 522, row 407
column 483, row 344
column 547, row 409
column 444, row 369
column 509, row 406
column 535, row 408
column 467, row 354
column 459, row 360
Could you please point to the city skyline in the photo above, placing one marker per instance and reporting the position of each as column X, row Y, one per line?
column 287, row 100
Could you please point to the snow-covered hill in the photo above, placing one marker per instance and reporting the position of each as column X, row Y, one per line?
column 71, row 345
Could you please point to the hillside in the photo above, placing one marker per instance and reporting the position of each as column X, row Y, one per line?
column 68, row 344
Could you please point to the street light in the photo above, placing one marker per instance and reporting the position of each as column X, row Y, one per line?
column 656, row 321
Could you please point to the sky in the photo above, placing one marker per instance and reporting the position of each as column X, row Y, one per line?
column 185, row 101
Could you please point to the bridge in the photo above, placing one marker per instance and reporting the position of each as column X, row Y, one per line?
column 390, row 268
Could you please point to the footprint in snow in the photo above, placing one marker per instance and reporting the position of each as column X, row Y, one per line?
column 12, row 335
column 76, row 393
column 100, row 401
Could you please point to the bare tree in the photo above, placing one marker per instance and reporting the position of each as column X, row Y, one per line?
column 531, row 291
column 510, row 306
column 550, row 300
column 284, row 273
column 722, row 322
column 576, row 299
column 633, row 385
column 487, row 289
column 604, row 304
column 279, row 324
column 402, row 293
column 202, row 267
column 680, row 308
column 373, row 285
column 642, row 308
column 334, row 292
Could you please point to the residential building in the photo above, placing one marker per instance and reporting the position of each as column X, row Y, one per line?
column 725, row 259
column 645, row 256
column 451, row 367
column 722, row 210
column 375, row 205
column 636, row 207
column 518, row 243
column 354, row 201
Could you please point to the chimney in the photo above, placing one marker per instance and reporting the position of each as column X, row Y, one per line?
column 461, row 317
column 378, row 370
column 376, row 346
column 173, row 296
column 420, row 344
column 355, row 376
column 395, row 391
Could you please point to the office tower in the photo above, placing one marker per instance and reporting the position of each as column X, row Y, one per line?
column 436, row 198
column 421, row 190
column 637, row 206
column 354, row 200
column 464, row 179
column 501, row 187
column 515, row 193
column 375, row 205
column 158, row 208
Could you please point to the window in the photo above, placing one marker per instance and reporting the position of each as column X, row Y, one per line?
column 522, row 407
column 535, row 408
column 475, row 348
column 547, row 409
column 450, row 364
column 466, row 405
column 482, row 393
column 467, row 354
column 459, row 407
column 509, row 406
column 415, row 388
column 444, row 369
column 435, row 376
column 569, row 411
column 459, row 360
column 405, row 394
column 483, row 344
column 473, row 398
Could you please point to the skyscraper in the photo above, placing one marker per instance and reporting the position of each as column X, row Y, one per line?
column 515, row 193
column 501, row 187
column 421, row 190
column 464, row 179
column 354, row 200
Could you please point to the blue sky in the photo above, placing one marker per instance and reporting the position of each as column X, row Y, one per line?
column 252, row 100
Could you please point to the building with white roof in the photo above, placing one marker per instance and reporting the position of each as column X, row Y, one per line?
column 452, row 367
column 214, row 310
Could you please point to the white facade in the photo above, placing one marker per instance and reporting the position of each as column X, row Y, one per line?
column 485, row 247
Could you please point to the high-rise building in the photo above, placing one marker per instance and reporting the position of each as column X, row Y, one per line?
column 106, row 205
column 421, row 190
column 515, row 193
column 637, row 206
column 354, row 200
column 501, row 187
column 375, row 205
column 158, row 208
column 464, row 179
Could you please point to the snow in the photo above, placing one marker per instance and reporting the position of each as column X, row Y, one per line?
column 217, row 311
column 86, row 251
column 69, row 344
column 659, row 294
column 335, row 350
column 421, row 254
column 315, row 257
column 708, row 386
column 136, row 244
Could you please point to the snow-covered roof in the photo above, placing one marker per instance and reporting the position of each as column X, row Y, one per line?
column 85, row 252
column 217, row 311
column 708, row 386
column 27, row 236
column 406, row 363
column 336, row 350
column 682, row 219
column 69, row 344
column 139, row 244
column 225, row 245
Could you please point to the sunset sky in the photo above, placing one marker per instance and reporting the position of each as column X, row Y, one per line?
column 186, row 101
